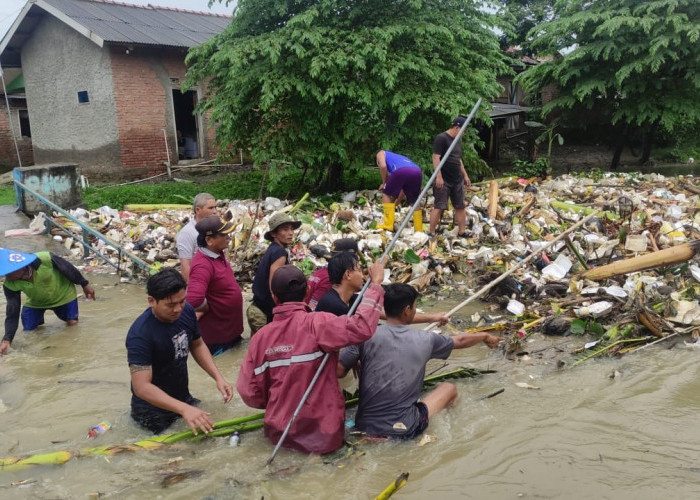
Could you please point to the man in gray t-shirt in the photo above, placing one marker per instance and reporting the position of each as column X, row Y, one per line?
column 186, row 238
column 392, row 367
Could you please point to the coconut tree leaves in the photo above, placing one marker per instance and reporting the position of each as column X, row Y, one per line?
column 321, row 85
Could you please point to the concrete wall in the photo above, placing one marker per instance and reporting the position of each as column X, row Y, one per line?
column 58, row 62
column 8, row 152
column 57, row 182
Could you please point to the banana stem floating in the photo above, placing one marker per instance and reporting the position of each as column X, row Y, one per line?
column 222, row 428
column 393, row 487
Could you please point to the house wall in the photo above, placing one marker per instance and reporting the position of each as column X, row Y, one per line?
column 8, row 153
column 144, row 79
column 58, row 62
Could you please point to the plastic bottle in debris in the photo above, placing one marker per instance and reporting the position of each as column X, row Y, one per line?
column 235, row 440
column 98, row 429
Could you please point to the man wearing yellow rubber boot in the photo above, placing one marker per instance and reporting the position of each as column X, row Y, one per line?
column 399, row 174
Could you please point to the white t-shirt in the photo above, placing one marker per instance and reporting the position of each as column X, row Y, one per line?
column 186, row 240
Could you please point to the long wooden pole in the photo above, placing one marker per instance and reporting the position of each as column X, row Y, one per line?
column 514, row 268
column 367, row 283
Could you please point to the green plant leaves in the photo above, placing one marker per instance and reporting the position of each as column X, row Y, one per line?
column 410, row 257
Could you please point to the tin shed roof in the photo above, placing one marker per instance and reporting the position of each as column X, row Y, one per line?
column 104, row 21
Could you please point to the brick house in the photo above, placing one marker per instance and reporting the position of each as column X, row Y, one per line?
column 15, row 132
column 102, row 82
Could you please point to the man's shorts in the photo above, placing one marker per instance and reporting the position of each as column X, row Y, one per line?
column 406, row 179
column 420, row 426
column 33, row 317
column 456, row 192
column 256, row 318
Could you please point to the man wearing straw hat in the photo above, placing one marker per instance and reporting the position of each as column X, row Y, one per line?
column 280, row 236
column 48, row 281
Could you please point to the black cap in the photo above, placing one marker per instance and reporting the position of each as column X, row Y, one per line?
column 459, row 121
column 344, row 245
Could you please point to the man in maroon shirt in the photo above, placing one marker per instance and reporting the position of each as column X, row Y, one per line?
column 212, row 289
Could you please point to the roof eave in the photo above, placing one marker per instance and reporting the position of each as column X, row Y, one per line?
column 70, row 22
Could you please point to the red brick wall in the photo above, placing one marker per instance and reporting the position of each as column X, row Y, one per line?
column 142, row 89
column 8, row 153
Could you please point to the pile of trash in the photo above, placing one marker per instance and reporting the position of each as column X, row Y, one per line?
column 627, row 275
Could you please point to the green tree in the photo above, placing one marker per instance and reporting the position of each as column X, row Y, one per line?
column 525, row 15
column 322, row 85
column 632, row 63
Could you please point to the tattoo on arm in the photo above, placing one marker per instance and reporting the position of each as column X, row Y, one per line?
column 139, row 368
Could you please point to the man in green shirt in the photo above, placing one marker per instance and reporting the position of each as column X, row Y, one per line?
column 48, row 281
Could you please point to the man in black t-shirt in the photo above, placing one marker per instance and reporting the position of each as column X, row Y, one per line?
column 451, row 179
column 347, row 279
column 158, row 345
column 280, row 236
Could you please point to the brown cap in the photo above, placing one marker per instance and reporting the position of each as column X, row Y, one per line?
column 287, row 278
column 213, row 224
column 277, row 219
column 344, row 245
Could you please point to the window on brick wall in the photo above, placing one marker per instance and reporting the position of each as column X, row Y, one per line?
column 24, row 128
column 83, row 96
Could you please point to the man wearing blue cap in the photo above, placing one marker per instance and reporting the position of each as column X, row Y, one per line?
column 48, row 281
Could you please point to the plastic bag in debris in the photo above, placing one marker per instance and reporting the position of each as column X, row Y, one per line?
column 108, row 211
column 686, row 312
column 36, row 226
column 272, row 204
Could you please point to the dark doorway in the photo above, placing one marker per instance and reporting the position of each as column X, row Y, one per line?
column 186, row 124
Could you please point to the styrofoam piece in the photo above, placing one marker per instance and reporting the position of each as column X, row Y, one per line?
column 557, row 269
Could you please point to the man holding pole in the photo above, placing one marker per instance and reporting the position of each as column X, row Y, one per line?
column 284, row 356
column 399, row 175
column 451, row 179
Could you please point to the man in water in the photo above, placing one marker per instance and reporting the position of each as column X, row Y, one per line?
column 48, row 281
column 158, row 345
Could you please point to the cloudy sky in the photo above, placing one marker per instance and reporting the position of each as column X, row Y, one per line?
column 10, row 9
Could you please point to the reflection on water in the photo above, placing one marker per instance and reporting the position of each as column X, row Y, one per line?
column 581, row 435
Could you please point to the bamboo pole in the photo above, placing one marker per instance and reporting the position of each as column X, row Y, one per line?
column 579, row 209
column 387, row 250
column 493, row 200
column 515, row 267
column 668, row 256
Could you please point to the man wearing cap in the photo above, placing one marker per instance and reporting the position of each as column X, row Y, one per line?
column 158, row 346
column 213, row 290
column 319, row 283
column 399, row 175
column 451, row 179
column 48, row 281
column 284, row 355
column 280, row 236
column 186, row 238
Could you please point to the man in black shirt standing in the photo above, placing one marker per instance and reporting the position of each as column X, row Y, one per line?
column 451, row 179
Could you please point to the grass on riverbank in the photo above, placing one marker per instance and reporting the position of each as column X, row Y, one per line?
column 232, row 186
column 7, row 195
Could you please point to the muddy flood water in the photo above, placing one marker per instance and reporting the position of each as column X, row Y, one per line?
column 581, row 434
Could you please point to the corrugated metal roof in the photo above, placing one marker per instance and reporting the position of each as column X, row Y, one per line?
column 501, row 110
column 149, row 25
